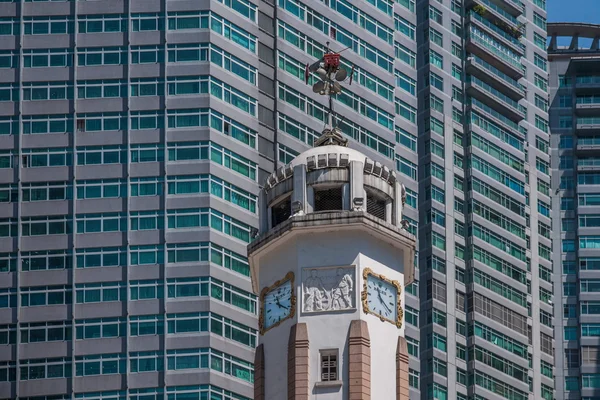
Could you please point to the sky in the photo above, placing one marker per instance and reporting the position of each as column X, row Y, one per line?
column 573, row 11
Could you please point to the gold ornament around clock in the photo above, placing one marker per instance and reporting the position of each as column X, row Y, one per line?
column 381, row 297
column 277, row 303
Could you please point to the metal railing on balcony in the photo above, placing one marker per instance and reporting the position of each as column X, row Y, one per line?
column 510, row 102
column 490, row 111
column 496, row 48
column 497, row 30
column 495, row 71
column 588, row 162
column 588, row 121
column 500, row 11
column 589, row 141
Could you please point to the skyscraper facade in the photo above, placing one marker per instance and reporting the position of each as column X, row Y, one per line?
column 484, row 190
column 135, row 135
column 574, row 61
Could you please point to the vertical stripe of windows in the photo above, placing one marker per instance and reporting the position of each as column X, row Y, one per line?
column 108, row 88
column 145, row 255
column 182, row 151
column 47, row 191
column 101, row 188
column 206, row 251
column 45, row 368
column 49, row 331
column 40, row 58
column 102, row 23
column 244, row 7
column 100, row 364
column 204, row 358
column 101, row 257
column 100, row 328
column 192, row 218
column 87, row 56
column 56, row 123
column 181, row 20
column 45, row 260
column 100, row 292
column 208, row 286
column 45, row 295
column 211, row 322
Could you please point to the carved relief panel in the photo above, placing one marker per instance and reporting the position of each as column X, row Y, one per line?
column 328, row 289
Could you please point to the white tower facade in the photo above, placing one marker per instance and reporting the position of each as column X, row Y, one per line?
column 331, row 264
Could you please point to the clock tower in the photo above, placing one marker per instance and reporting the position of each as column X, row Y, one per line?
column 330, row 264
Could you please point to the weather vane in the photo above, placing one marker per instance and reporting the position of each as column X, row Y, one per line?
column 331, row 73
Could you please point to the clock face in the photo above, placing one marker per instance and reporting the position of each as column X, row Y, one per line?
column 382, row 298
column 277, row 304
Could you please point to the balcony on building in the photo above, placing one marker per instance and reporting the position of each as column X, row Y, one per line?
column 500, row 34
column 588, row 144
column 496, row 78
column 588, row 125
column 588, row 105
column 501, row 11
column 495, row 99
column 491, row 50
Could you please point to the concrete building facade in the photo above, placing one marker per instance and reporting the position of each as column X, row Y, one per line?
column 574, row 60
column 484, row 201
column 136, row 135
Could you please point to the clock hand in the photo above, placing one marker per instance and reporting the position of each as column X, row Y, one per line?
column 383, row 302
column 280, row 305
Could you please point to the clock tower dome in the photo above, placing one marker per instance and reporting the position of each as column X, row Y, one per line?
column 330, row 263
